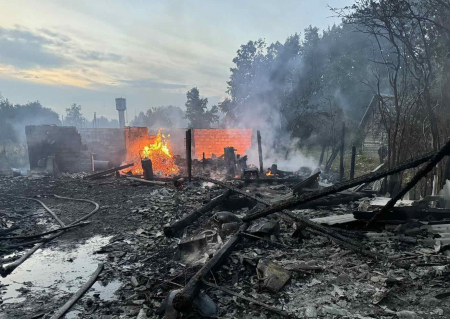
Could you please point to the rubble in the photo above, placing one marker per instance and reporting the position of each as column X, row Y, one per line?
column 178, row 248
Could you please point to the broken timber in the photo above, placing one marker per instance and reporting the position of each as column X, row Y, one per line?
column 144, row 181
column 423, row 171
column 339, row 187
column 108, row 171
column 178, row 226
column 339, row 238
column 251, row 196
column 311, row 181
column 183, row 300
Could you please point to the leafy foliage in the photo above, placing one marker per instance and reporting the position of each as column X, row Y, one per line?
column 74, row 117
column 197, row 111
column 160, row 117
column 14, row 118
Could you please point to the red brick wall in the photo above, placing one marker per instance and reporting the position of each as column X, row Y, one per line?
column 213, row 141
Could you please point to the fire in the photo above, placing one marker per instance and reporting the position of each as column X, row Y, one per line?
column 269, row 173
column 159, row 153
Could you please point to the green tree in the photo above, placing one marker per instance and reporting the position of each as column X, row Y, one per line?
column 74, row 117
column 197, row 111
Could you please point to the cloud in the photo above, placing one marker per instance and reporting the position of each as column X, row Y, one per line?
column 102, row 57
column 25, row 49
column 149, row 83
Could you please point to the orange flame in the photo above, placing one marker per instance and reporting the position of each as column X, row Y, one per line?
column 160, row 155
column 269, row 173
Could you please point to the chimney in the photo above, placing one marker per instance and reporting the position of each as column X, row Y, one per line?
column 121, row 106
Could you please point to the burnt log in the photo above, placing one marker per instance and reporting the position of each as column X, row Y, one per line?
column 147, row 168
column 206, row 179
column 311, row 181
column 183, row 300
column 422, row 172
column 178, row 226
column 333, row 235
column 189, row 154
column 353, row 162
column 339, row 187
column 341, row 152
column 108, row 171
column 230, row 160
column 261, row 166
column 332, row 157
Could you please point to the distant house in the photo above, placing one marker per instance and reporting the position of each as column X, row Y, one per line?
column 372, row 127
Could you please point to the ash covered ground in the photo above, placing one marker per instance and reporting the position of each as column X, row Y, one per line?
column 142, row 266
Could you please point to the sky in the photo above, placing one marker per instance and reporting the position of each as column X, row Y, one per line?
column 150, row 52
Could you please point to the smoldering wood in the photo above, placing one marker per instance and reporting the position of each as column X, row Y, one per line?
column 312, row 181
column 339, row 187
column 108, row 171
column 422, row 172
column 261, row 165
column 189, row 154
column 183, row 300
column 353, row 162
column 275, row 171
column 341, row 151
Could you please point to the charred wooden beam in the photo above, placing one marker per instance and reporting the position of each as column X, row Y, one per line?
column 339, row 187
column 108, row 171
column 332, row 157
column 144, row 181
column 275, row 171
column 178, row 226
column 422, row 172
column 189, row 154
column 341, row 151
column 183, row 300
column 234, row 189
column 322, row 153
column 147, row 168
column 311, row 181
column 338, row 237
column 261, row 166
column 353, row 162
column 230, row 161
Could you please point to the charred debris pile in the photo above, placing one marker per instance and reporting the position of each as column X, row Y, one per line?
column 232, row 240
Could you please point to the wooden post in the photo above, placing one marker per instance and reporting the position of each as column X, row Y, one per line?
column 324, row 146
column 261, row 167
column 147, row 168
column 352, row 163
column 189, row 153
column 230, row 160
column 203, row 161
column 341, row 164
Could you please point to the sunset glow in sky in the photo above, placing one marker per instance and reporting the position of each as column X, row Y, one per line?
column 151, row 52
